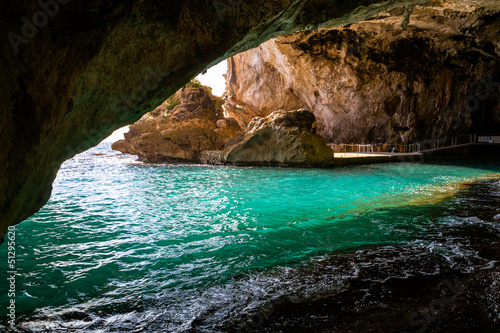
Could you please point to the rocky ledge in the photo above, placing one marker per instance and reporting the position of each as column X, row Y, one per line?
column 189, row 122
column 280, row 139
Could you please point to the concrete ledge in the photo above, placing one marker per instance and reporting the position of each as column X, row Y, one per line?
column 362, row 158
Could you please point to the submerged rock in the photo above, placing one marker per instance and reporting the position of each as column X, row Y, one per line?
column 282, row 138
column 180, row 129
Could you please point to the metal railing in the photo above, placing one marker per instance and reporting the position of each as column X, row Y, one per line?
column 372, row 148
column 418, row 147
column 447, row 143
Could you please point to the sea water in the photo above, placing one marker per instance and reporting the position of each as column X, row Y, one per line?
column 128, row 246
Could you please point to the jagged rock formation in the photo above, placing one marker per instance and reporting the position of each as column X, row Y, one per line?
column 372, row 82
column 282, row 138
column 181, row 128
column 74, row 71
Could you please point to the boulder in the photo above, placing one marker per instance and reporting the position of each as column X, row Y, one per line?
column 280, row 139
column 180, row 129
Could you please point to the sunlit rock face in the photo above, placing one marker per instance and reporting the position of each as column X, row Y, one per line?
column 282, row 138
column 373, row 82
column 74, row 71
column 188, row 123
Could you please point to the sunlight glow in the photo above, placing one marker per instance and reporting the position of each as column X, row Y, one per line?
column 117, row 135
column 214, row 78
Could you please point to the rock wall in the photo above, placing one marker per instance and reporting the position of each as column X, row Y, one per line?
column 372, row 82
column 186, row 124
column 74, row 71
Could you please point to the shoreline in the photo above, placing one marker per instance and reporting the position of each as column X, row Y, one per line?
column 470, row 153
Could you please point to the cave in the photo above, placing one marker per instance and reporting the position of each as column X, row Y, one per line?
column 88, row 69
column 79, row 70
column 391, row 71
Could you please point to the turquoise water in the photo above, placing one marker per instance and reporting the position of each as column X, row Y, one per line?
column 124, row 246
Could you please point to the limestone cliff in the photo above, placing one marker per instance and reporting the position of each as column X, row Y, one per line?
column 74, row 71
column 375, row 82
column 181, row 128
column 282, row 138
